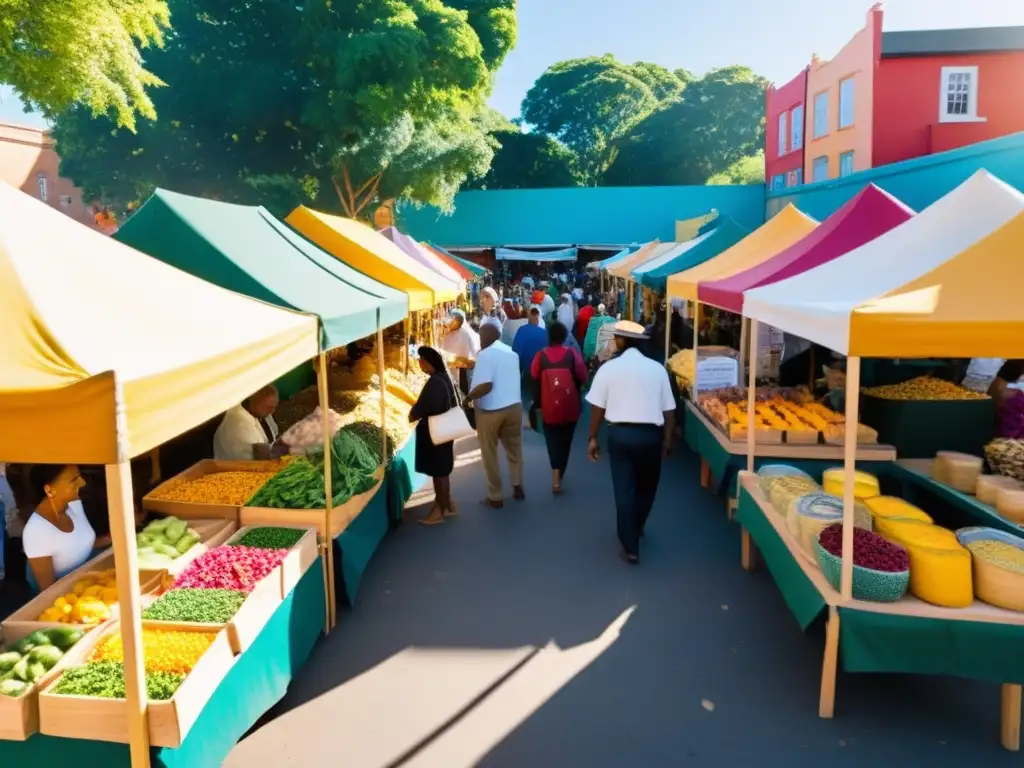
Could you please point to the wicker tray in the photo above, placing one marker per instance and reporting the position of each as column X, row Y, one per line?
column 192, row 510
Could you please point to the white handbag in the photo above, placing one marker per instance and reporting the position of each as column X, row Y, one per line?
column 449, row 426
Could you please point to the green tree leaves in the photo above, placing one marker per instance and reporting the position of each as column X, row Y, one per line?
column 746, row 170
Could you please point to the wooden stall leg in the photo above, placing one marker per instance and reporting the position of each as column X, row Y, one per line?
column 730, row 506
column 1010, row 715
column 830, row 666
column 383, row 400
column 328, row 545
column 705, row 474
column 748, row 551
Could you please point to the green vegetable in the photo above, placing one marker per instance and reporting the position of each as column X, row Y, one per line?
column 29, row 642
column 370, row 434
column 36, row 670
column 162, row 548
column 47, row 655
column 205, row 606
column 157, row 526
column 63, row 637
column 270, row 538
column 13, row 688
column 105, row 679
column 186, row 542
column 174, row 531
column 19, row 671
column 7, row 661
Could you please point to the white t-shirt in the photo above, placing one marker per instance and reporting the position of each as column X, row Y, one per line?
column 41, row 538
column 462, row 342
column 499, row 366
column 547, row 306
column 632, row 389
column 238, row 433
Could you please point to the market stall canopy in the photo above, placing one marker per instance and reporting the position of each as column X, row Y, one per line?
column 687, row 229
column 870, row 213
column 107, row 353
column 461, row 270
column 245, row 249
column 424, row 256
column 654, row 274
column 474, row 269
column 611, row 260
column 946, row 284
column 511, row 254
column 652, row 250
column 371, row 253
column 778, row 233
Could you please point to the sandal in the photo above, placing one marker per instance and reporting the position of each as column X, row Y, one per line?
column 434, row 517
column 493, row 504
column 452, row 511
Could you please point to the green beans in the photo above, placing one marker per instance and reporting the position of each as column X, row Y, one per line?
column 204, row 606
column 105, row 680
column 270, row 538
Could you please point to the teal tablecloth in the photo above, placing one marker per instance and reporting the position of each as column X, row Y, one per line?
column 258, row 680
column 402, row 479
column 357, row 543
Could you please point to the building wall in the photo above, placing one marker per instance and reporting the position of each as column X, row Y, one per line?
column 857, row 59
column 918, row 182
column 584, row 215
column 908, row 97
column 782, row 101
column 29, row 161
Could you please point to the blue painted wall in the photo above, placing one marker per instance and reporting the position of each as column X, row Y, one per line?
column 918, row 182
column 584, row 215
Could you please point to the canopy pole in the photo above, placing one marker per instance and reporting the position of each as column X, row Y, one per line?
column 696, row 356
column 849, row 465
column 383, row 400
column 328, row 543
column 405, row 343
column 121, row 511
column 668, row 329
column 745, row 355
column 751, row 396
column 602, row 283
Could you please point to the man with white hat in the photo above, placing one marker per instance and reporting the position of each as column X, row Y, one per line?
column 634, row 394
column 491, row 305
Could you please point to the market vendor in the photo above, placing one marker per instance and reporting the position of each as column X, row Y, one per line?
column 1009, row 399
column 249, row 431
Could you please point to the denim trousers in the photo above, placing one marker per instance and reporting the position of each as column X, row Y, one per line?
column 634, row 452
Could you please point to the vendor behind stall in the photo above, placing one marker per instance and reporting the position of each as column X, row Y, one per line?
column 249, row 431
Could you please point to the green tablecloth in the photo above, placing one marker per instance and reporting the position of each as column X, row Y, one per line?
column 358, row 542
column 402, row 479
column 257, row 681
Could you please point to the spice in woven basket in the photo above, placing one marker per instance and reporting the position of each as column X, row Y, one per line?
column 999, row 553
column 869, row 549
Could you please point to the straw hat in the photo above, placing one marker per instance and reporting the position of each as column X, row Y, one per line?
column 629, row 330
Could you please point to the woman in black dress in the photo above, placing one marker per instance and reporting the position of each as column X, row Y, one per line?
column 436, row 461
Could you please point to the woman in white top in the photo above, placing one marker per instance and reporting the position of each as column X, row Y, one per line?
column 241, row 436
column 57, row 537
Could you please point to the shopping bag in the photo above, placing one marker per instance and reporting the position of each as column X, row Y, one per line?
column 448, row 426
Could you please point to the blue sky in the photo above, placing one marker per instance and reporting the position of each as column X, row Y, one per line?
column 775, row 38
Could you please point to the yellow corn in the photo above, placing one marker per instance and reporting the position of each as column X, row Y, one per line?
column 234, row 488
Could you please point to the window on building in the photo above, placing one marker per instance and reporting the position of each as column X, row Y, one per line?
column 41, row 180
column 846, row 102
column 778, row 182
column 782, row 134
column 958, row 100
column 819, row 169
column 846, row 164
column 821, row 114
column 796, row 126
column 798, row 177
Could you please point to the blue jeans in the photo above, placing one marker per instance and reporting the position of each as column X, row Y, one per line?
column 634, row 452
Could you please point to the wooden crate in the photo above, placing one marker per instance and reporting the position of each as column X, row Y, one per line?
column 298, row 560
column 212, row 534
column 19, row 717
column 192, row 511
column 96, row 719
column 341, row 516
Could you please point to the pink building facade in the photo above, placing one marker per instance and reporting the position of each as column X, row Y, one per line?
column 784, row 133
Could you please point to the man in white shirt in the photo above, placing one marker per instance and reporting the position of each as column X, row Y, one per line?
column 463, row 342
column 497, row 403
column 634, row 394
column 242, row 436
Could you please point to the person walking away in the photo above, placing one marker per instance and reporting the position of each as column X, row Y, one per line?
column 634, row 394
column 435, row 461
column 559, row 375
column 565, row 315
column 463, row 342
column 583, row 319
column 497, row 402
column 529, row 340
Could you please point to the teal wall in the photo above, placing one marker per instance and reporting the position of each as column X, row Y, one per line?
column 583, row 215
column 918, row 182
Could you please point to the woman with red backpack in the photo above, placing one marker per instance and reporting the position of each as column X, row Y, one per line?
column 559, row 375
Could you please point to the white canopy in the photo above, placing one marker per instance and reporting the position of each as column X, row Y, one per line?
column 819, row 303
column 672, row 251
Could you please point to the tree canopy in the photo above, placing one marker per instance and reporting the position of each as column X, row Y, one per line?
column 57, row 53
column 746, row 170
column 527, row 161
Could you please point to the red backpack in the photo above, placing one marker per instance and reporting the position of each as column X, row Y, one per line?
column 559, row 389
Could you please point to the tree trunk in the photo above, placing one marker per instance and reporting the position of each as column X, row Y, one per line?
column 356, row 202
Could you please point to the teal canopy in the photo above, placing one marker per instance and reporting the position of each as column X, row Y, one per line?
column 655, row 274
column 246, row 250
column 611, row 261
column 476, row 269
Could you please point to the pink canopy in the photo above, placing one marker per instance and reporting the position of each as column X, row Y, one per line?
column 872, row 212
column 424, row 256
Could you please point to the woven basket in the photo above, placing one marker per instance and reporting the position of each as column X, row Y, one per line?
column 940, row 568
column 769, row 472
column 1010, row 504
column 994, row 582
column 868, row 584
column 782, row 490
column 989, row 486
column 865, row 485
column 810, row 514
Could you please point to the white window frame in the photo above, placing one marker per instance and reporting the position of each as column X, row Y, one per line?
column 43, row 190
column 844, row 155
column 972, row 96
column 814, row 167
column 783, row 133
column 814, row 121
column 847, row 105
column 796, row 128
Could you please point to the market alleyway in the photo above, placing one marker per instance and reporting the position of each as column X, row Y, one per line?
column 518, row 638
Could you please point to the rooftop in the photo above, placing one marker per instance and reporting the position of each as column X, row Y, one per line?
column 950, row 41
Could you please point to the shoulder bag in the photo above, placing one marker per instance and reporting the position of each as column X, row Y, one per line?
column 451, row 425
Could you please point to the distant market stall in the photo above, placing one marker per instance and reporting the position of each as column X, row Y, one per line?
column 425, row 256
column 914, row 597
column 153, row 352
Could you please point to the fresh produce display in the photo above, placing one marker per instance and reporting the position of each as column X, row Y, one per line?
column 105, row 680
column 163, row 650
column 32, row 657
column 1006, row 457
column 924, row 388
column 370, row 433
column 233, row 568
column 89, row 601
column 300, row 485
column 869, row 549
column 203, row 606
column 270, row 537
column 163, row 541
column 232, row 488
column 308, row 432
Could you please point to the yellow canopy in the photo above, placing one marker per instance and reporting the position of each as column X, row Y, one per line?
column 652, row 250
column 374, row 255
column 106, row 353
column 687, row 229
column 772, row 237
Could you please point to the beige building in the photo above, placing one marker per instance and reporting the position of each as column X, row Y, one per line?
column 29, row 161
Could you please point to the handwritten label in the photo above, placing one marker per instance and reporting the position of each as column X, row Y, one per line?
column 717, row 372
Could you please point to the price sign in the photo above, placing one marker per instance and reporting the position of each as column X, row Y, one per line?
column 717, row 372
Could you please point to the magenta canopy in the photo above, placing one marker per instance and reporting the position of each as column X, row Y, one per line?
column 870, row 213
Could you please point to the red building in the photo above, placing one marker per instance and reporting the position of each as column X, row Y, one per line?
column 942, row 89
column 784, row 133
